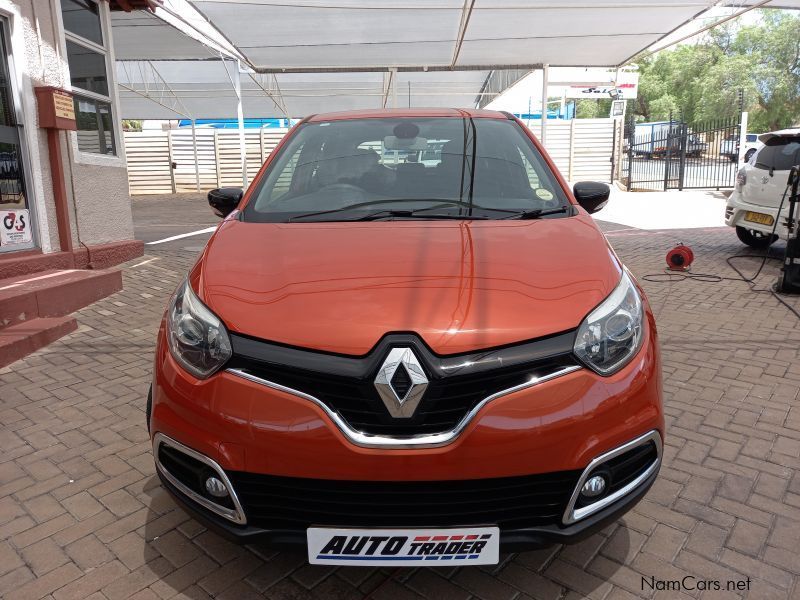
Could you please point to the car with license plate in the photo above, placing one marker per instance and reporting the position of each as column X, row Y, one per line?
column 408, row 343
column 758, row 207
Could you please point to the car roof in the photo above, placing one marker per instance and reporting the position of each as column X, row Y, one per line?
column 791, row 132
column 407, row 112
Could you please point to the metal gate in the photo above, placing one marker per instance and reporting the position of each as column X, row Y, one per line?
column 672, row 154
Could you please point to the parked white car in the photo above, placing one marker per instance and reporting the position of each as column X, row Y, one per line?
column 729, row 147
column 753, row 206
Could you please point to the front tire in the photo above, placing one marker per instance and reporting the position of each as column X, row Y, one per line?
column 755, row 239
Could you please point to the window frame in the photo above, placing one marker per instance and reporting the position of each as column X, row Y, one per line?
column 105, row 51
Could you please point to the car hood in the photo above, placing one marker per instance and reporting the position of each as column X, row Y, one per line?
column 460, row 285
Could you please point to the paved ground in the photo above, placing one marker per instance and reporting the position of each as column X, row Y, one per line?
column 83, row 516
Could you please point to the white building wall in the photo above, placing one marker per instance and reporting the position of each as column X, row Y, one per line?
column 99, row 204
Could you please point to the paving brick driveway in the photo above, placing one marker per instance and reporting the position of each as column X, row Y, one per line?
column 82, row 514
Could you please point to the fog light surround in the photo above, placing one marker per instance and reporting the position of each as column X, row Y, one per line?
column 601, row 500
column 236, row 514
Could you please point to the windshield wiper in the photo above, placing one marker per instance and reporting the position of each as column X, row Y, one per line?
column 441, row 203
column 540, row 212
column 413, row 214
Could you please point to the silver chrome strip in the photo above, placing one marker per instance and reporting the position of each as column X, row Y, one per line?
column 237, row 515
column 571, row 514
column 433, row 440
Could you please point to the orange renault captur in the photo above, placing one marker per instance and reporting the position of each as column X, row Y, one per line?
column 408, row 343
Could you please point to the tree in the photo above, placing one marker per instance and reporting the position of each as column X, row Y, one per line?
column 703, row 81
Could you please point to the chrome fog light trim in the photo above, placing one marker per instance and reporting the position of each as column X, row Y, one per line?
column 572, row 514
column 236, row 515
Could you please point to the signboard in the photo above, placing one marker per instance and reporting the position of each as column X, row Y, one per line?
column 56, row 109
column 626, row 86
column 618, row 108
column 63, row 105
column 15, row 227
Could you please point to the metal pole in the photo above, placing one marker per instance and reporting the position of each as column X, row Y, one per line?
column 545, row 80
column 240, row 115
column 196, row 163
column 742, row 137
column 394, row 87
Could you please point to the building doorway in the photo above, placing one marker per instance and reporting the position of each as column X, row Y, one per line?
column 16, row 227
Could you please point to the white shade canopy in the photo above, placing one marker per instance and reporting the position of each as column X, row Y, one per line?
column 453, row 34
column 203, row 89
column 308, row 56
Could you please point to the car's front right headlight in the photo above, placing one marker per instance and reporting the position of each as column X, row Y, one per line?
column 196, row 337
column 612, row 334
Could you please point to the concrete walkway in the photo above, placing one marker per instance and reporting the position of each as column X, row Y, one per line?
column 689, row 209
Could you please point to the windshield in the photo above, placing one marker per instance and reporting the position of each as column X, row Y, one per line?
column 486, row 168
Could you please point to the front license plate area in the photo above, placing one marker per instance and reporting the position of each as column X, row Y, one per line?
column 399, row 547
column 757, row 217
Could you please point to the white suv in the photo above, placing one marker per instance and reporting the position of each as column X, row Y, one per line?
column 753, row 207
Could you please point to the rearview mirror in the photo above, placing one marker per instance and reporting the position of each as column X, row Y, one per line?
column 591, row 195
column 223, row 201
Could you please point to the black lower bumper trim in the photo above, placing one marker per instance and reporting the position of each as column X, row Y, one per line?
column 511, row 540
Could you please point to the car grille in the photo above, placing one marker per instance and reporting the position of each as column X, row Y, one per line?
column 272, row 502
column 446, row 401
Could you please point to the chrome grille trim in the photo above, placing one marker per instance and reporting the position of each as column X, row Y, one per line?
column 435, row 440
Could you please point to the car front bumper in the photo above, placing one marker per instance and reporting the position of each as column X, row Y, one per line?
column 560, row 425
column 511, row 540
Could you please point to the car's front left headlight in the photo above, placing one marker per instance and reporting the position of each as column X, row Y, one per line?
column 196, row 337
column 612, row 334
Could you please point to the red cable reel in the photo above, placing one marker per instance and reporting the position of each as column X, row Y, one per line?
column 680, row 258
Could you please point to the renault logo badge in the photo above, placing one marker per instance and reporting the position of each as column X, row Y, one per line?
column 401, row 382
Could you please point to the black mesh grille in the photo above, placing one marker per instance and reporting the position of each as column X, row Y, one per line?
column 446, row 400
column 292, row 503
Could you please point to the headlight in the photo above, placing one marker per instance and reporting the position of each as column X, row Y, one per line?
column 196, row 337
column 612, row 333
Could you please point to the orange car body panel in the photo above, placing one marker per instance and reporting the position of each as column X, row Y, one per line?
column 461, row 286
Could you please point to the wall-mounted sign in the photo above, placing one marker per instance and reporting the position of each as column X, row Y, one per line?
column 64, row 106
column 626, row 88
column 56, row 108
column 15, row 227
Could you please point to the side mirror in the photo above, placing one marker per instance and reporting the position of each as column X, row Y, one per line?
column 591, row 195
column 223, row 201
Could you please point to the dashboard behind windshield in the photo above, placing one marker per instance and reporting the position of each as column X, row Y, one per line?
column 405, row 164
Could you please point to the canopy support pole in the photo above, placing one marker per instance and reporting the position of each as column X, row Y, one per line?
column 545, row 79
column 237, row 86
column 196, row 164
column 394, row 87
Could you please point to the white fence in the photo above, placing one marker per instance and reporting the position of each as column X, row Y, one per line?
column 163, row 162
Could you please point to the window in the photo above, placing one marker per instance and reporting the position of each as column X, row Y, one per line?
column 405, row 164
column 779, row 154
column 87, row 56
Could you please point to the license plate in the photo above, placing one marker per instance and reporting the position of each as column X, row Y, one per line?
column 757, row 217
column 399, row 547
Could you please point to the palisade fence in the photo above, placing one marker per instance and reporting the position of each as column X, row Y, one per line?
column 163, row 162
